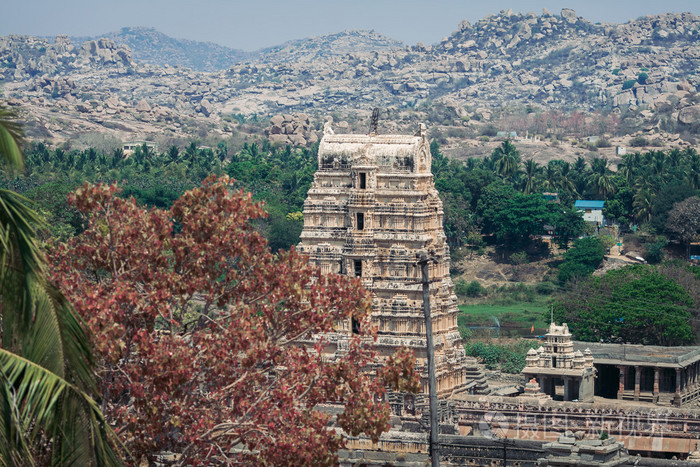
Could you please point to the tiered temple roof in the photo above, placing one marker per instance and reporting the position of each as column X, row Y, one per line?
column 371, row 209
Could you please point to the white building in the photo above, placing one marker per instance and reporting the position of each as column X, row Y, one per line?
column 592, row 210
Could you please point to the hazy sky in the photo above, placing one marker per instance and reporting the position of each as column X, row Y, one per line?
column 250, row 25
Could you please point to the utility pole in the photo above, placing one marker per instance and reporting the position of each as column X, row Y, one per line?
column 432, row 390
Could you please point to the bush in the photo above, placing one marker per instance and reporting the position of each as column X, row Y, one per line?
column 545, row 288
column 642, row 78
column 472, row 289
column 628, row 84
column 654, row 252
column 489, row 130
column 603, row 143
column 638, row 142
column 507, row 358
column 513, row 363
column 518, row 258
column 607, row 240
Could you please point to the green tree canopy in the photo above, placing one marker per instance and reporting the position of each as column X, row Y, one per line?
column 568, row 225
column 582, row 259
column 635, row 304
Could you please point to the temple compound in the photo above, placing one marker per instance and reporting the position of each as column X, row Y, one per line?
column 371, row 209
column 557, row 363
column 649, row 373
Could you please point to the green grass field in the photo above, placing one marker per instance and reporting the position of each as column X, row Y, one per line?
column 518, row 316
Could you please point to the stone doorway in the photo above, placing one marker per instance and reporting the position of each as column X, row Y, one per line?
column 608, row 381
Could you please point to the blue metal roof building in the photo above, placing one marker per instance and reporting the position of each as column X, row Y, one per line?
column 588, row 204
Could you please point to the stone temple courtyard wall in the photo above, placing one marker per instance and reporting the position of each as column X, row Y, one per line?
column 371, row 209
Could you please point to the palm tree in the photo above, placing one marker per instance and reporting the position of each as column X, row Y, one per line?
column 439, row 164
column 601, row 177
column 507, row 159
column 46, row 377
column 693, row 174
column 642, row 204
column 531, row 171
column 579, row 165
column 550, row 177
column 628, row 167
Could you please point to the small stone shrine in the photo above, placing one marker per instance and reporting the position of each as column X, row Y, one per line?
column 570, row 451
column 556, row 364
column 371, row 209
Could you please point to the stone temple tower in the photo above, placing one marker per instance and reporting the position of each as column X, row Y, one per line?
column 372, row 207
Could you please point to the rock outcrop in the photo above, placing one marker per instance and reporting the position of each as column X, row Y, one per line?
column 291, row 129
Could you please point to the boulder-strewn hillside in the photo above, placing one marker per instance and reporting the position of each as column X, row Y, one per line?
column 156, row 48
column 328, row 46
column 548, row 76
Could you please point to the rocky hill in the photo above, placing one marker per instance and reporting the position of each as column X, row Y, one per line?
column 552, row 77
column 329, row 46
column 155, row 48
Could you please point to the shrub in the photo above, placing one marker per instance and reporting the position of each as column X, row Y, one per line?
column 507, row 358
column 607, row 240
column 472, row 289
column 545, row 288
column 513, row 363
column 628, row 84
column 603, row 143
column 654, row 252
column 639, row 141
column 642, row 78
column 489, row 130
column 518, row 258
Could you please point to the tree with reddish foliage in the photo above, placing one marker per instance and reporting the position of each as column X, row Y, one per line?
column 210, row 346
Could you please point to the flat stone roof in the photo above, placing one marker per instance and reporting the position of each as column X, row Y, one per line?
column 643, row 355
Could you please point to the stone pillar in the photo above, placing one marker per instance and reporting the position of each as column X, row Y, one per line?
column 657, row 372
column 689, row 376
column 621, row 387
column 677, row 395
column 637, row 381
column 567, row 388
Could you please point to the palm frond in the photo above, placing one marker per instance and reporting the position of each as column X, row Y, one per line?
column 37, row 392
column 18, row 223
column 14, row 448
column 11, row 139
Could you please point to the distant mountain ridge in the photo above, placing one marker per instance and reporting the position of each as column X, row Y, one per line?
column 153, row 47
column 511, row 71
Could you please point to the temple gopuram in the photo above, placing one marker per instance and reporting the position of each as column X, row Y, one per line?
column 371, row 210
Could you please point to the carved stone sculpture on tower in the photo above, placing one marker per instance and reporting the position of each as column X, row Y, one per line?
column 371, row 209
